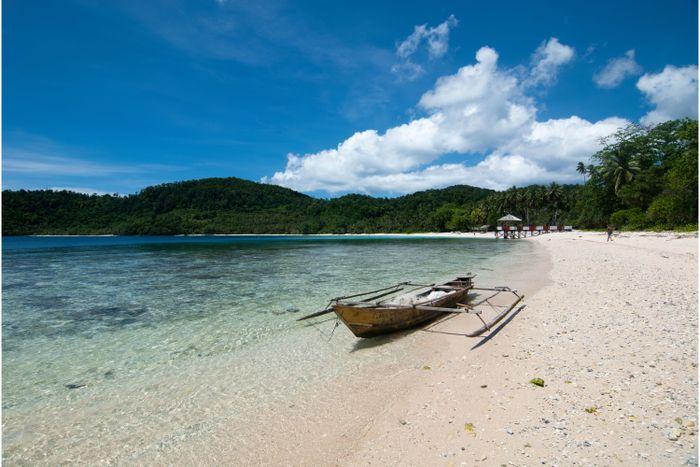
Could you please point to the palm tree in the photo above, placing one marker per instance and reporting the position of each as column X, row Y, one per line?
column 531, row 199
column 519, row 198
column 510, row 199
column 555, row 194
column 541, row 196
column 620, row 168
column 581, row 168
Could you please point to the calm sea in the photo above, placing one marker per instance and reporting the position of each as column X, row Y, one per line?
column 117, row 346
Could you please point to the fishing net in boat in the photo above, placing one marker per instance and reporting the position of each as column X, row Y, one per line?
column 411, row 299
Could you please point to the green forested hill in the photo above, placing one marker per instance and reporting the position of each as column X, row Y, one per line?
column 222, row 205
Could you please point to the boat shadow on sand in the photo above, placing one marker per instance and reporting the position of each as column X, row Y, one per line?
column 370, row 342
column 366, row 343
column 484, row 339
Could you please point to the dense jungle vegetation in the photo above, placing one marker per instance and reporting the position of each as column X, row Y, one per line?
column 642, row 178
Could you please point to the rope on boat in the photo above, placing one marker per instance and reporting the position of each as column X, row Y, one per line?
column 323, row 334
column 337, row 323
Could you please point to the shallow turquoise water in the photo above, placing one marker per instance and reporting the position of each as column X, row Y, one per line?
column 93, row 321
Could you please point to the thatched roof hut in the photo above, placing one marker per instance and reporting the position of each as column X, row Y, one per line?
column 510, row 218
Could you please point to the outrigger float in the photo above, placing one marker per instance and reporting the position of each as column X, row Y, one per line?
column 406, row 305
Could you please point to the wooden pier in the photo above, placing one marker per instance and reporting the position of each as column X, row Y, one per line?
column 520, row 231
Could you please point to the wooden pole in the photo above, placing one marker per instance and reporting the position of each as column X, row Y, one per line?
column 446, row 310
column 318, row 313
column 494, row 321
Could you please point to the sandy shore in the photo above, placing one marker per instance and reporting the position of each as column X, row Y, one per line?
column 417, row 234
column 614, row 336
column 612, row 331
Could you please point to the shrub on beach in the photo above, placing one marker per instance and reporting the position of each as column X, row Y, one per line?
column 629, row 219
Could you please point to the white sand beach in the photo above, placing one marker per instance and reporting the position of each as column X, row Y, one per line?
column 613, row 335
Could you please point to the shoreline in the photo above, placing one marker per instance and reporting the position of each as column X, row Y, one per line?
column 328, row 425
column 603, row 325
column 617, row 388
column 643, row 233
column 377, row 234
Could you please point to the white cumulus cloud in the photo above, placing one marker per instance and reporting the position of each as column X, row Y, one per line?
column 673, row 92
column 481, row 109
column 547, row 60
column 617, row 69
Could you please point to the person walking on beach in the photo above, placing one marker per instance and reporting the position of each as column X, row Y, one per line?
column 610, row 232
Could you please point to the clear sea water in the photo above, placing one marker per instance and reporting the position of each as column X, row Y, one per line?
column 117, row 346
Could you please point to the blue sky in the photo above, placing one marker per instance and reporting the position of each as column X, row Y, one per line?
column 116, row 96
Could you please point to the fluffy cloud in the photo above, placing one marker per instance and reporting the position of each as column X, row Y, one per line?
column 616, row 70
column 673, row 92
column 547, row 60
column 436, row 39
column 482, row 109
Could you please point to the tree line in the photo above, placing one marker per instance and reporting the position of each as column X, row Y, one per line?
column 224, row 205
column 641, row 178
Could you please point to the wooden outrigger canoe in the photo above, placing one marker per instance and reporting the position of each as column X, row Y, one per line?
column 406, row 305
column 368, row 318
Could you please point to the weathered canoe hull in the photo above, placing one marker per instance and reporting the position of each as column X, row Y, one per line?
column 374, row 321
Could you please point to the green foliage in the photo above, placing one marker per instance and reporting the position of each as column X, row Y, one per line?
column 643, row 178
column 629, row 219
column 231, row 205
column 662, row 211
column 460, row 220
column 441, row 217
column 686, row 228
column 536, row 204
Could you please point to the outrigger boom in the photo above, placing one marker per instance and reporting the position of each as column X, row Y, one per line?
column 499, row 316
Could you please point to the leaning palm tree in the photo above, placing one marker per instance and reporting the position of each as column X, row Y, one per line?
column 581, row 168
column 620, row 168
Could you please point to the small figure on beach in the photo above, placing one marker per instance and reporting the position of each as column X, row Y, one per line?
column 610, row 232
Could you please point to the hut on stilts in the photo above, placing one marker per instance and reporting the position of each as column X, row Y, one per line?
column 509, row 227
column 512, row 227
